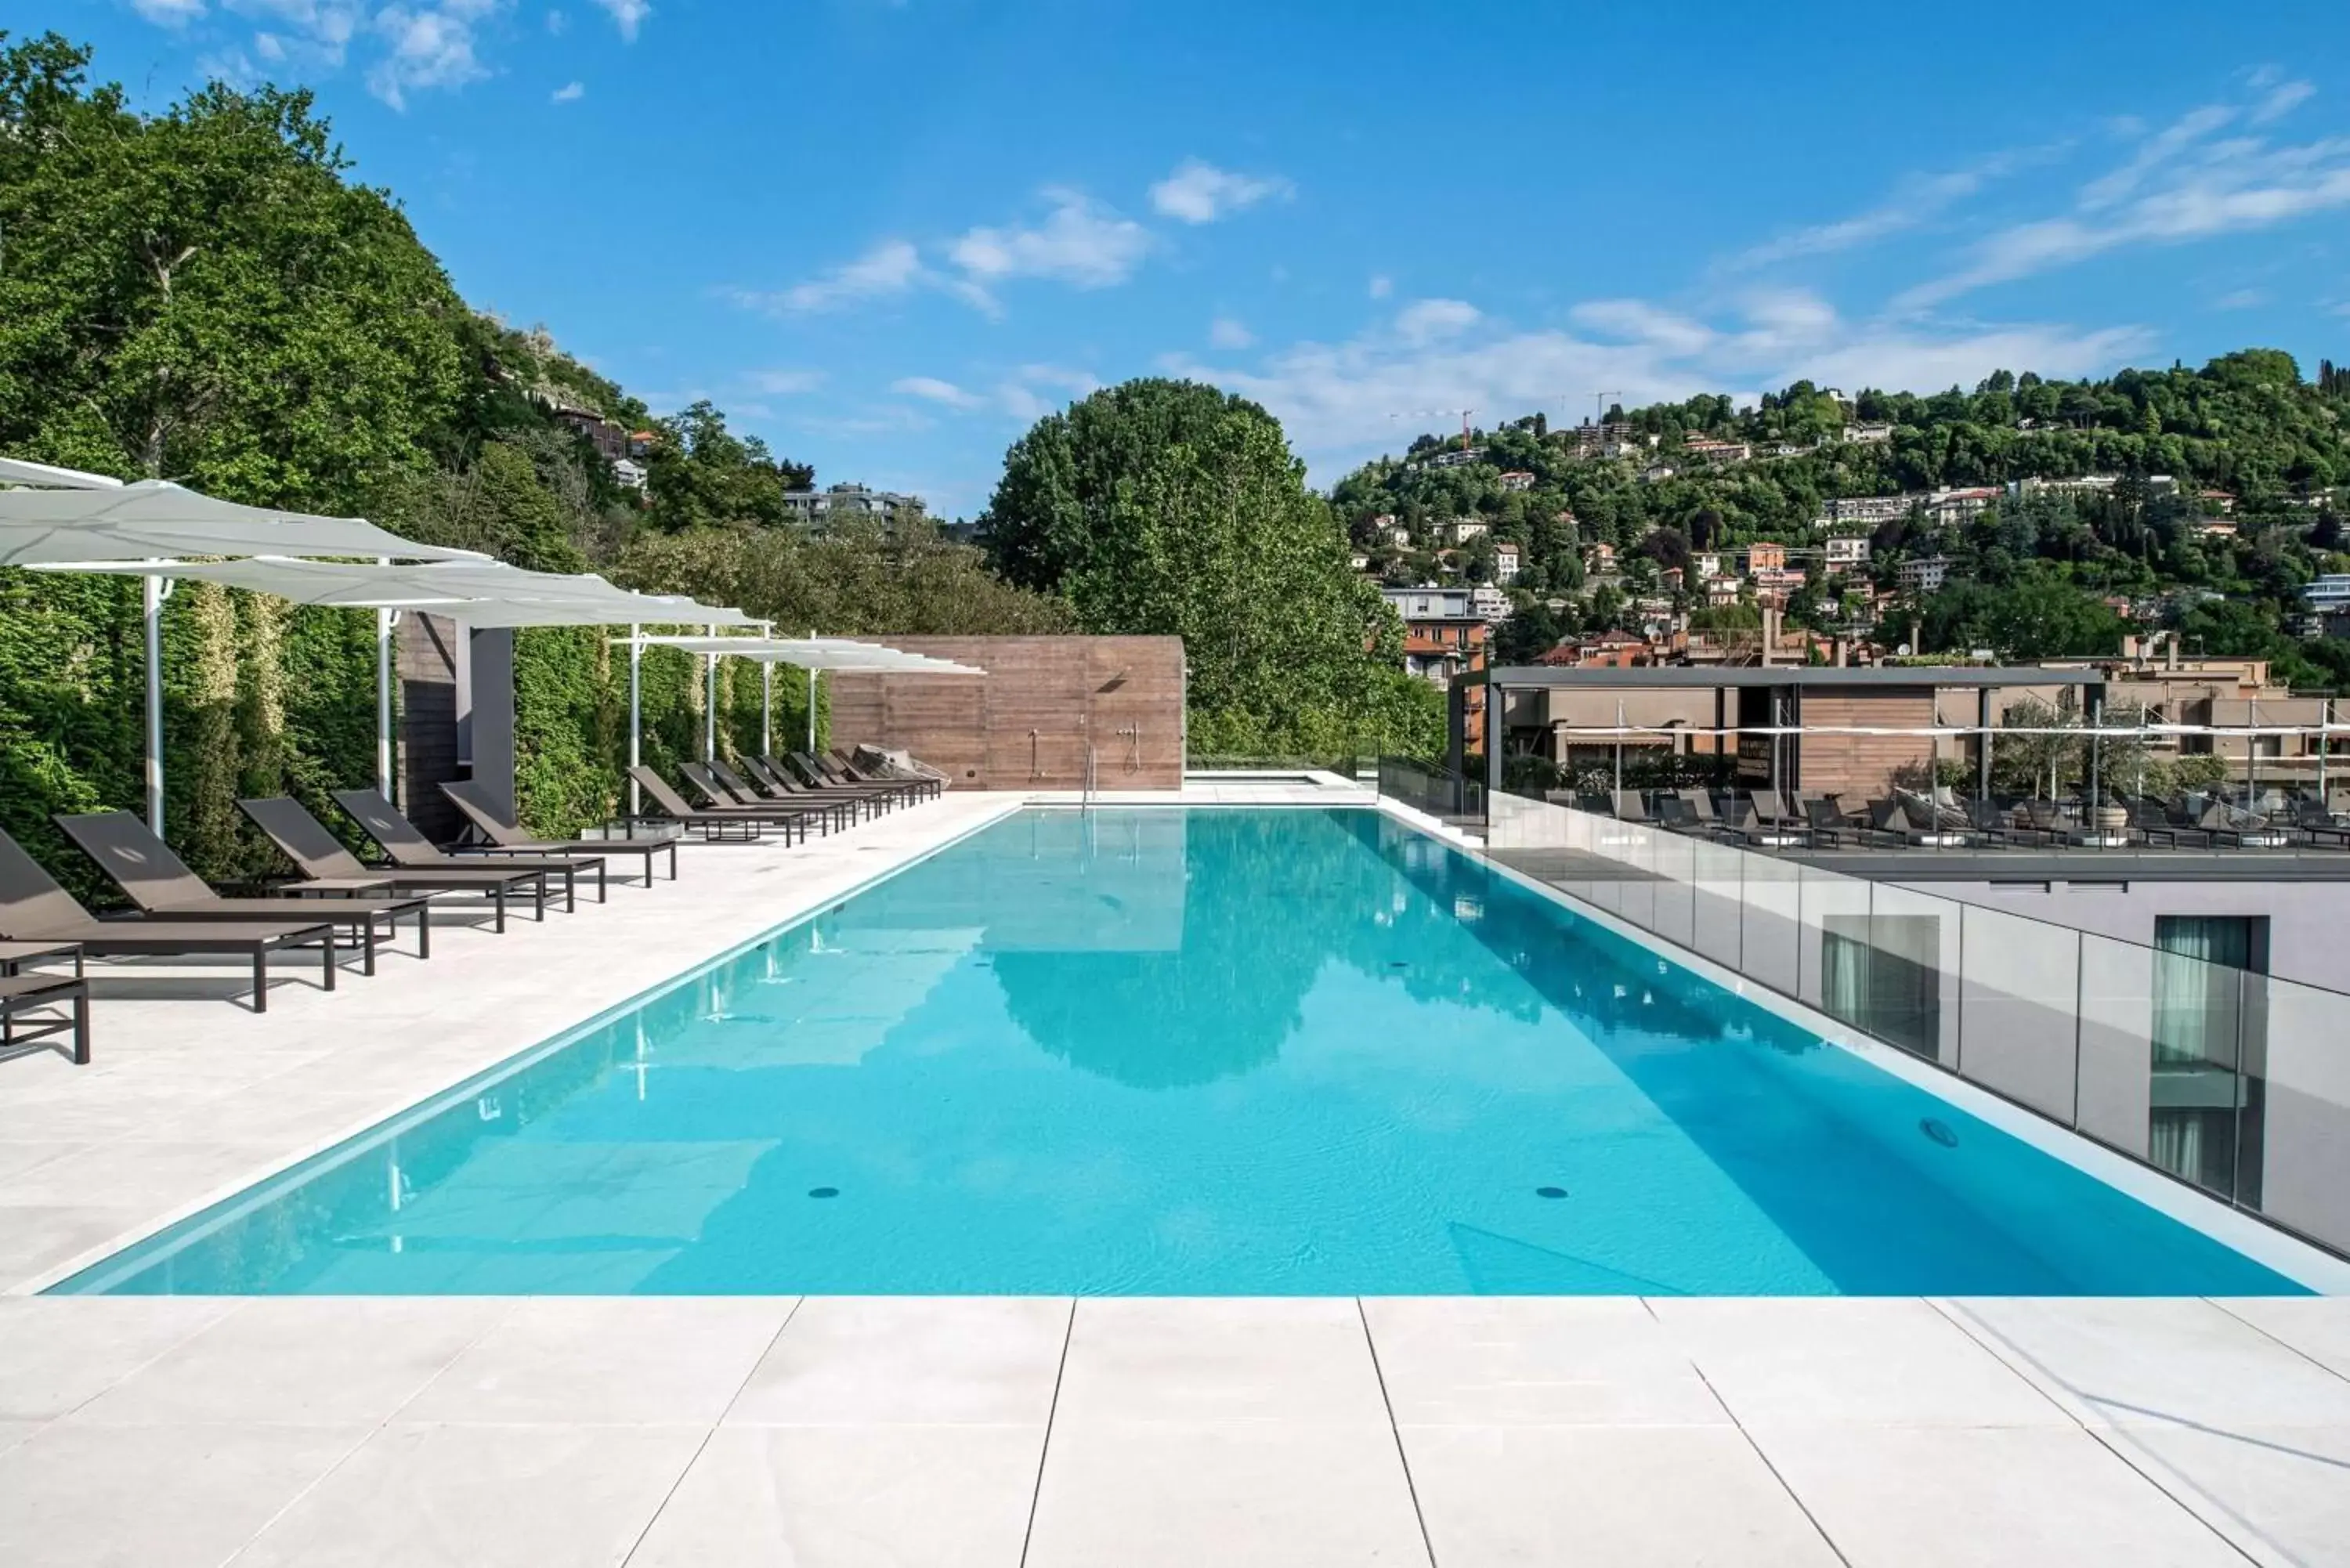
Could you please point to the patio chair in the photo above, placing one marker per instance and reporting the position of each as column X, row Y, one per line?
column 23, row 993
column 160, row 883
column 2319, row 827
column 2163, row 828
column 410, row 850
column 34, row 908
column 1766, row 823
column 792, row 819
column 327, row 867
column 739, row 826
column 2232, row 826
column 509, row 838
column 1830, row 825
column 1628, row 805
column 1697, row 815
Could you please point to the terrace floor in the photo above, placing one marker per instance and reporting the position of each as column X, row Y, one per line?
column 827, row 1430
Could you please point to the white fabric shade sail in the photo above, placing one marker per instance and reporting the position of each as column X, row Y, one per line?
column 69, row 519
column 815, row 653
column 480, row 593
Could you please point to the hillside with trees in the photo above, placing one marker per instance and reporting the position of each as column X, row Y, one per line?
column 2224, row 499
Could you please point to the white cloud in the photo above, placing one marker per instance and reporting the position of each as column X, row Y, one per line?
column 2281, row 100
column 1643, row 323
column 1080, row 243
column 932, row 390
column 169, row 13
column 2242, row 299
column 1200, row 192
column 1913, row 202
column 627, row 15
column 432, row 46
column 891, row 267
column 1227, row 332
column 570, row 92
column 786, row 382
column 2181, row 183
column 1381, row 286
column 1425, row 320
column 556, row 22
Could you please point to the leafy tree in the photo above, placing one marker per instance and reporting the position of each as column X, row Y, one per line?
column 699, row 473
column 1168, row 507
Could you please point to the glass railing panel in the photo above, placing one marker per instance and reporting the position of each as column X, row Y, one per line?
column 2294, row 1137
column 1771, row 922
column 1913, row 939
column 1831, row 952
column 1718, row 879
column 1674, row 858
column 2019, row 1009
column 1638, row 855
column 2116, row 989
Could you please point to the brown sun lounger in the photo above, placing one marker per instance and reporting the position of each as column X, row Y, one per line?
column 21, row 991
column 507, row 837
column 840, row 812
column 737, row 823
column 160, row 883
column 792, row 819
column 784, row 779
column 327, row 867
column 33, row 907
column 410, row 850
column 846, row 766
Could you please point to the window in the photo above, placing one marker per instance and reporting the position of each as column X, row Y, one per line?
column 1880, row 975
column 2207, row 1094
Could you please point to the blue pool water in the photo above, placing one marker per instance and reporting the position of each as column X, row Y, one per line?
column 1212, row 1052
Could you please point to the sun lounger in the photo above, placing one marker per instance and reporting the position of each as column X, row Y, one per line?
column 412, row 850
column 738, row 824
column 837, row 813
column 329, row 868
column 869, row 800
column 822, row 773
column 20, row 991
column 508, row 837
column 931, row 784
column 792, row 819
column 34, row 909
column 160, row 883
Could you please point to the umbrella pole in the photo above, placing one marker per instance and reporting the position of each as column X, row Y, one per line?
column 766, row 707
column 383, row 624
column 635, row 718
column 158, row 589
column 811, row 700
column 710, row 704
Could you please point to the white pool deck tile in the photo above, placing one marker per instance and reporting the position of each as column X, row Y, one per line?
column 892, row 1431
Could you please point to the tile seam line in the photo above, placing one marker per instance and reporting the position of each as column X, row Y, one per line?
column 2221, row 1302
column 373, row 1432
column 709, row 1432
column 1956, row 1317
column 1045, row 1447
column 1410, row 1487
column 1755, row 1446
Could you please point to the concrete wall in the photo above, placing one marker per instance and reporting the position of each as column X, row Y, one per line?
column 1027, row 724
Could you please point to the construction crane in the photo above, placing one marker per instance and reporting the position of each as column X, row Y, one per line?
column 1437, row 414
column 1599, row 403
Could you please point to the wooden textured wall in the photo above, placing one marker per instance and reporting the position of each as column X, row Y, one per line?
column 1027, row 724
column 1861, row 767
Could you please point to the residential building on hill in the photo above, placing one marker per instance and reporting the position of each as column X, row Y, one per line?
column 1517, row 479
column 1763, row 556
column 1847, row 552
column 814, row 509
column 1868, row 434
column 1869, row 509
column 1716, row 452
column 1924, row 573
column 1506, row 562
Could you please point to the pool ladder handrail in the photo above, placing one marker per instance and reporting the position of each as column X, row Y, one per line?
column 1093, row 762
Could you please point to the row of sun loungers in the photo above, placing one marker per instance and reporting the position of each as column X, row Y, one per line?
column 336, row 903
column 1763, row 819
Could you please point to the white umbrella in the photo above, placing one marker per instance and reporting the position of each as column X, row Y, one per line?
column 60, row 516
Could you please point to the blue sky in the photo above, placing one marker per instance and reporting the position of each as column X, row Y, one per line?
column 887, row 237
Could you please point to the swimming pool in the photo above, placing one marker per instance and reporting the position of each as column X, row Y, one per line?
column 1190, row 1052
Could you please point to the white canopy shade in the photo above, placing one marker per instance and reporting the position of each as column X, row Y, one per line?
column 480, row 593
column 68, row 519
column 16, row 470
column 815, row 653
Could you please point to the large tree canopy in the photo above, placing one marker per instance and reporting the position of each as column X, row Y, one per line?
column 1170, row 508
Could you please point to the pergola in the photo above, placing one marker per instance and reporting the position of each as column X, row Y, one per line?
column 64, row 519
column 478, row 594
column 811, row 653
